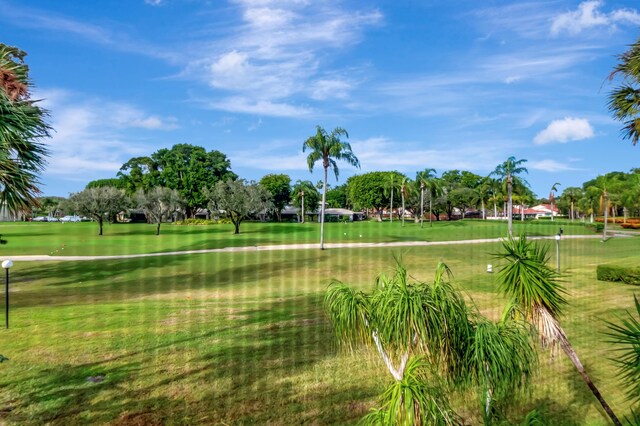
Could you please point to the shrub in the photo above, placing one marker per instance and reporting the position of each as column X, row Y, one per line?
column 188, row 222
column 628, row 275
column 596, row 226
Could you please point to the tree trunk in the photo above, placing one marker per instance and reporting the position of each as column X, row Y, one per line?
column 606, row 217
column 522, row 212
column 568, row 349
column 158, row 229
column 403, row 208
column 484, row 212
column 495, row 209
column 421, row 206
column 552, row 211
column 430, row 211
column 391, row 212
column 572, row 214
column 509, row 206
column 237, row 226
column 324, row 199
column 302, row 207
column 100, row 225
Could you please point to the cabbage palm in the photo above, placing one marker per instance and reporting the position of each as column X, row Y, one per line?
column 506, row 172
column 328, row 147
column 534, row 292
column 554, row 189
column 627, row 338
column 572, row 194
column 404, row 192
column 392, row 183
column 22, row 126
column 428, row 181
column 303, row 189
column 600, row 188
column 624, row 101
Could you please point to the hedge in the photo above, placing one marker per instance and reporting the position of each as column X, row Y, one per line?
column 628, row 275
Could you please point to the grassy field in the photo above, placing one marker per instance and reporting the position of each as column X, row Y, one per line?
column 61, row 239
column 240, row 338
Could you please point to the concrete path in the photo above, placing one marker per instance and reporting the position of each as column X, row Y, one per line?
column 46, row 258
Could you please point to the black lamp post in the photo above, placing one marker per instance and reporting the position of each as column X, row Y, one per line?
column 6, row 265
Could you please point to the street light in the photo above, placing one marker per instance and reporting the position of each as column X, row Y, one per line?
column 558, row 236
column 6, row 265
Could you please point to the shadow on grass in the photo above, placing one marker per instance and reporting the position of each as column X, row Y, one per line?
column 251, row 377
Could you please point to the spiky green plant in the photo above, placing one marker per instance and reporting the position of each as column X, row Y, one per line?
column 534, row 291
column 626, row 336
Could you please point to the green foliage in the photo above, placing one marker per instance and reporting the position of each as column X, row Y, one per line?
column 328, row 148
column 99, row 203
column 307, row 190
column 625, row 274
column 367, row 191
column 239, row 200
column 413, row 401
column 199, row 222
column 22, row 127
column 279, row 185
column 624, row 100
column 534, row 418
column 183, row 167
column 337, row 197
column 159, row 204
column 626, row 337
column 99, row 183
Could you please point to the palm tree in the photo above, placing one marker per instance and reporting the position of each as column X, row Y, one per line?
column 427, row 180
column 22, row 126
column 482, row 194
column 554, row 189
column 627, row 337
column 600, row 188
column 328, row 148
column 404, row 190
column 623, row 101
column 392, row 183
column 572, row 194
column 533, row 291
column 507, row 171
column 300, row 189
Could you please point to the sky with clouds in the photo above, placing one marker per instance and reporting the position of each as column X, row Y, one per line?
column 418, row 84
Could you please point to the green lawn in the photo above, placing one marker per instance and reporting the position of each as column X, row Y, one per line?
column 240, row 338
column 82, row 239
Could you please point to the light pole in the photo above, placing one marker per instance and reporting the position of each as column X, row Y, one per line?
column 558, row 250
column 6, row 265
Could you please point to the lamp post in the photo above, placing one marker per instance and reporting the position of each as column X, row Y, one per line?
column 558, row 250
column 6, row 265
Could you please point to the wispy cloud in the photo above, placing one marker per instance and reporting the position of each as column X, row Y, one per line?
column 589, row 15
column 550, row 166
column 565, row 130
column 278, row 51
column 93, row 135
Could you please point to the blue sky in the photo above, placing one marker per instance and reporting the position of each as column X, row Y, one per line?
column 418, row 84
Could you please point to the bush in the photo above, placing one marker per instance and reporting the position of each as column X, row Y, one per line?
column 189, row 222
column 596, row 226
column 628, row 275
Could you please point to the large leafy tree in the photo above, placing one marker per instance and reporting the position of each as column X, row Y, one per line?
column 328, row 148
column 337, row 197
column 22, row 127
column 239, row 200
column 624, row 100
column 159, row 204
column 305, row 196
column 186, row 168
column 506, row 172
column 99, row 203
column 115, row 182
column 279, row 185
column 534, row 293
column 367, row 191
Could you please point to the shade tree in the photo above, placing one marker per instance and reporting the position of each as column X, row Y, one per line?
column 159, row 204
column 100, row 203
column 279, row 186
column 238, row 200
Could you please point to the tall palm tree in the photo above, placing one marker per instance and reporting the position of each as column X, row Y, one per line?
column 391, row 184
column 328, row 148
column 600, row 188
column 572, row 194
column 506, row 172
column 623, row 101
column 533, row 291
column 428, row 181
column 404, row 192
column 22, row 127
column 298, row 193
column 554, row 189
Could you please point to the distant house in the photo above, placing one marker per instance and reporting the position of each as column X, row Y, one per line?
column 331, row 215
column 544, row 210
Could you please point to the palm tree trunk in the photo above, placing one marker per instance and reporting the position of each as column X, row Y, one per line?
column 302, row 221
column 495, row 209
column 324, row 199
column 402, row 208
column 421, row 206
column 522, row 212
column 484, row 212
column 430, row 210
column 552, row 211
column 571, row 353
column 572, row 211
column 509, row 206
column 606, row 218
column 391, row 212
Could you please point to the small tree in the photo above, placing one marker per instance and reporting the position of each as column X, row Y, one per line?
column 159, row 204
column 99, row 203
column 305, row 196
column 239, row 200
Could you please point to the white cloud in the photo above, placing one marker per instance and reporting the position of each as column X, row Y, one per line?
column 92, row 135
column 260, row 107
column 549, row 166
column 588, row 15
column 565, row 130
column 153, row 2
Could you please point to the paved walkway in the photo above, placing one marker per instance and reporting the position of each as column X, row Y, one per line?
column 45, row 258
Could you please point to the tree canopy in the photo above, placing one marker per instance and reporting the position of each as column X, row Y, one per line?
column 367, row 191
column 279, row 186
column 99, row 203
column 238, row 199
